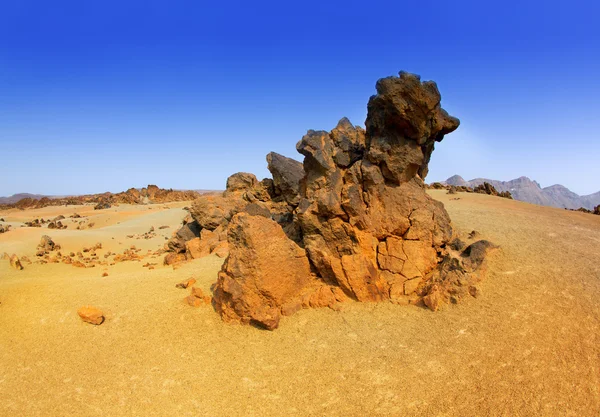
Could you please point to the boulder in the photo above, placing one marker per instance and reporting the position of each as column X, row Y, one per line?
column 15, row 262
column 240, row 182
column 287, row 174
column 213, row 211
column 264, row 271
column 47, row 244
column 190, row 230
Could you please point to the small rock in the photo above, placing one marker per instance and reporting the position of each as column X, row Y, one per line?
column 197, row 292
column 474, row 235
column 15, row 262
column 433, row 300
column 474, row 291
column 193, row 301
column 186, row 283
column 46, row 243
column 91, row 315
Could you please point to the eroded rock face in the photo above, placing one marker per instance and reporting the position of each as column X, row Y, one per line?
column 368, row 224
column 359, row 212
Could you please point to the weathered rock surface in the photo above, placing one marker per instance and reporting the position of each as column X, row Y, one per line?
column 240, row 182
column 264, row 271
column 287, row 174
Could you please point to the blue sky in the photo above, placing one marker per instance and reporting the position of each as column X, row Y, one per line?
column 103, row 96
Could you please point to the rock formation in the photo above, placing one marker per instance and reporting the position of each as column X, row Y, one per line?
column 356, row 222
column 487, row 188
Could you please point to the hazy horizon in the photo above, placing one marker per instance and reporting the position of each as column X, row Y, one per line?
column 105, row 97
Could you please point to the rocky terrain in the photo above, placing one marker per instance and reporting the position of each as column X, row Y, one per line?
column 524, row 189
column 108, row 307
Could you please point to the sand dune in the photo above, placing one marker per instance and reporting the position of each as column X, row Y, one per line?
column 528, row 345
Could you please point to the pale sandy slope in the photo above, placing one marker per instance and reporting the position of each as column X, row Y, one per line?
column 530, row 345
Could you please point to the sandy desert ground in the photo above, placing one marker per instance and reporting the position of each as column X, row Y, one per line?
column 528, row 345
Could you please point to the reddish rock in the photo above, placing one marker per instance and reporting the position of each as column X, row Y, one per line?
column 197, row 292
column 173, row 258
column 193, row 301
column 434, row 299
column 47, row 244
column 91, row 315
column 15, row 262
column 185, row 284
column 240, row 182
column 264, row 271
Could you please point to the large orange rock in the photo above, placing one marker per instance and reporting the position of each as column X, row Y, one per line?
column 264, row 271
column 91, row 315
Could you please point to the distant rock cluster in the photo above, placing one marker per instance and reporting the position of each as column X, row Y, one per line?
column 150, row 194
column 485, row 188
column 353, row 221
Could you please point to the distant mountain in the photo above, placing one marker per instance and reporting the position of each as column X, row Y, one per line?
column 524, row 189
column 16, row 197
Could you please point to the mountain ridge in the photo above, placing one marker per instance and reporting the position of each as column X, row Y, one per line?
column 528, row 190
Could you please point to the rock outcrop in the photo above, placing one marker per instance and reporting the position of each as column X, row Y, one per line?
column 487, row 188
column 356, row 223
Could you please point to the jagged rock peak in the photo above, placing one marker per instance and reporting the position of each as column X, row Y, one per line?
column 404, row 121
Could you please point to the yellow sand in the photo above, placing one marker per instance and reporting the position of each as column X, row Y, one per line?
column 529, row 345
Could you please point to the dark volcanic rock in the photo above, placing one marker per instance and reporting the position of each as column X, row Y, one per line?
column 287, row 174
column 190, row 230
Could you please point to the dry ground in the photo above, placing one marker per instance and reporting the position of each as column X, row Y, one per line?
column 529, row 345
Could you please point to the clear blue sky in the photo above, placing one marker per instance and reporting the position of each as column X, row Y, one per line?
column 105, row 95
